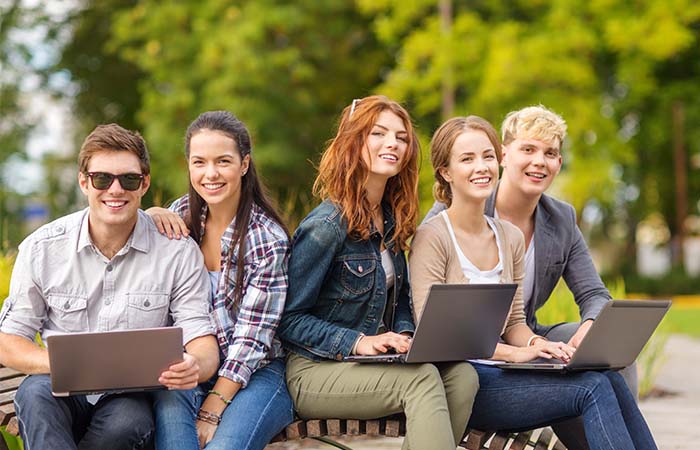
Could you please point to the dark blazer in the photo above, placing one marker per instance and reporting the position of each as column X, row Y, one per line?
column 560, row 251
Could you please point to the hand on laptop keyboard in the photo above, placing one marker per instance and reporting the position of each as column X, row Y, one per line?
column 383, row 343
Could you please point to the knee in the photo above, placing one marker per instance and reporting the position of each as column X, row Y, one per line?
column 466, row 384
column 597, row 386
column 425, row 375
column 129, row 416
column 130, row 430
column 174, row 404
column 35, row 390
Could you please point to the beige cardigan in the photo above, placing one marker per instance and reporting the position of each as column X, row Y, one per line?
column 433, row 260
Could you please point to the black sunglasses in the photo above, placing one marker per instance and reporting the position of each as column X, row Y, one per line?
column 103, row 180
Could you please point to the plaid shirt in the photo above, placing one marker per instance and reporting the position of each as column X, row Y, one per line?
column 246, row 331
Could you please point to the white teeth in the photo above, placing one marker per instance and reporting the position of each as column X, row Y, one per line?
column 536, row 175
column 115, row 204
column 213, row 185
column 389, row 157
column 481, row 180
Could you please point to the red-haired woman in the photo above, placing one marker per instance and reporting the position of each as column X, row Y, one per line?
column 349, row 292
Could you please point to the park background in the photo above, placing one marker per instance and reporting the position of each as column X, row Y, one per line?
column 625, row 74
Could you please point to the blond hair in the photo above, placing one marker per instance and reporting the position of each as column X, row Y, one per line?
column 534, row 122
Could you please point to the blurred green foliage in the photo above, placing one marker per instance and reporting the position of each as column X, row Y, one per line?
column 7, row 260
column 615, row 72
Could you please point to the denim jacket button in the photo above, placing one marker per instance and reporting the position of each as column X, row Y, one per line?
column 360, row 269
column 339, row 356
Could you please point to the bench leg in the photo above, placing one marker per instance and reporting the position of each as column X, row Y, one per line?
column 326, row 441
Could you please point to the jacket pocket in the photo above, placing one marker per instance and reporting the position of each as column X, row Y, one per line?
column 68, row 312
column 147, row 309
column 357, row 276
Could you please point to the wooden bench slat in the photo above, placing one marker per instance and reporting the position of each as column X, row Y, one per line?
column 316, row 428
column 476, row 439
column 7, row 412
column 336, row 427
column 13, row 426
column 393, row 428
column 6, row 372
column 521, row 440
column 10, row 384
column 544, row 439
column 7, row 397
column 355, row 427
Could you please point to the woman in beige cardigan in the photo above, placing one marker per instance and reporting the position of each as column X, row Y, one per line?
column 462, row 245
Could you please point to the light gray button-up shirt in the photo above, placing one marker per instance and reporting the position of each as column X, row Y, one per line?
column 62, row 283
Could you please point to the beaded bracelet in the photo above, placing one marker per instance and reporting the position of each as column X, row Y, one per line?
column 208, row 417
column 218, row 394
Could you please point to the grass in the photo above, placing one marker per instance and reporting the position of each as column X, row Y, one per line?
column 684, row 320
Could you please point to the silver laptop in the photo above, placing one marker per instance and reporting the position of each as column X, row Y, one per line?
column 614, row 340
column 459, row 322
column 112, row 362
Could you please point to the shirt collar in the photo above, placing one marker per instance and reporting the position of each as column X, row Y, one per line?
column 138, row 240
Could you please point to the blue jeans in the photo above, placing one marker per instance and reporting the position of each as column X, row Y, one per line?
column 520, row 400
column 116, row 422
column 256, row 414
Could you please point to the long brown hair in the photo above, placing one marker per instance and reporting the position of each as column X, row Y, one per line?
column 343, row 174
column 252, row 189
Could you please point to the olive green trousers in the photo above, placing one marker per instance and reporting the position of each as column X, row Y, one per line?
column 437, row 399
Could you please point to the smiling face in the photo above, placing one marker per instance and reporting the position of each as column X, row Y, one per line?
column 472, row 171
column 114, row 206
column 385, row 147
column 216, row 168
column 531, row 164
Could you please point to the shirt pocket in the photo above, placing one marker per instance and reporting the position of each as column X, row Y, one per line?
column 68, row 312
column 357, row 275
column 147, row 309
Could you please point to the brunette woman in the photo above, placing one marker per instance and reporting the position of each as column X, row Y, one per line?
column 245, row 247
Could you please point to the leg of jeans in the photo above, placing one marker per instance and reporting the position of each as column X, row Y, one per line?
column 46, row 421
column 636, row 425
column 368, row 391
column 120, row 422
column 174, row 413
column 570, row 432
column 564, row 331
column 461, row 384
column 519, row 400
column 257, row 413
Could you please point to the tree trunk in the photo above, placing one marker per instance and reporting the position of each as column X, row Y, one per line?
column 448, row 84
column 680, row 169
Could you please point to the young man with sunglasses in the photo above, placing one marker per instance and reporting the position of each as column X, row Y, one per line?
column 101, row 269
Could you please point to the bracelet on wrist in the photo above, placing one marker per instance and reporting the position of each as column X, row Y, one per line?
column 208, row 417
column 218, row 394
column 533, row 338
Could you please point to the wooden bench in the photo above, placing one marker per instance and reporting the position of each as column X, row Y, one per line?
column 324, row 430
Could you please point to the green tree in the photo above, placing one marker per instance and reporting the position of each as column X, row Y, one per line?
column 502, row 56
column 285, row 68
column 14, row 123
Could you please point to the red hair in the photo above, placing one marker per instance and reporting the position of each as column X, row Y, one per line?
column 343, row 174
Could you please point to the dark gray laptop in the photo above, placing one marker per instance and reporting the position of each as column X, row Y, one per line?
column 614, row 341
column 459, row 322
column 115, row 361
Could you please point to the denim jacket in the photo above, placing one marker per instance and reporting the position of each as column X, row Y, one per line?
column 337, row 287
